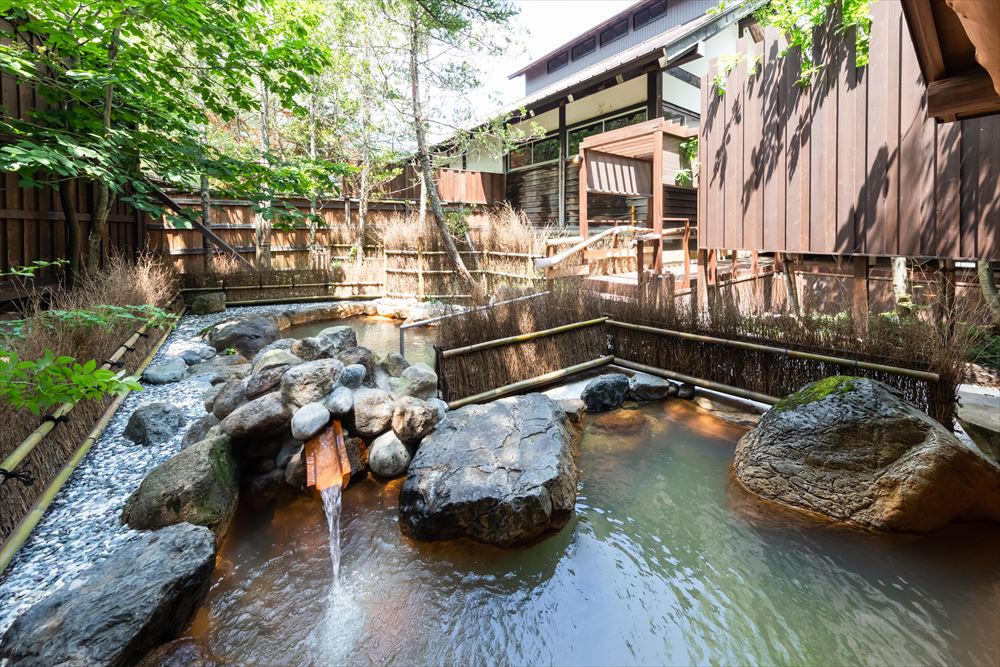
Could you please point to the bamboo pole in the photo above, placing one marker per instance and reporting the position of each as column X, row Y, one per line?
column 796, row 354
column 546, row 262
column 533, row 382
column 305, row 299
column 520, row 338
column 24, row 528
column 235, row 288
column 698, row 382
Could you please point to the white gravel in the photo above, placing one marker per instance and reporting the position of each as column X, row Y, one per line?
column 81, row 527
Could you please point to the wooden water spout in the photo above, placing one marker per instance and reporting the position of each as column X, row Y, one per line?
column 327, row 464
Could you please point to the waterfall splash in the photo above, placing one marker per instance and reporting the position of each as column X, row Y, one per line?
column 331, row 505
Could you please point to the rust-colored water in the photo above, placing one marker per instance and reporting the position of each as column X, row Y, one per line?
column 666, row 563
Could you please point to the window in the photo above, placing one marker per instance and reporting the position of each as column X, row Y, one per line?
column 585, row 47
column 626, row 120
column 650, row 13
column 557, row 61
column 614, row 32
column 519, row 157
column 537, row 152
column 575, row 136
column 680, row 115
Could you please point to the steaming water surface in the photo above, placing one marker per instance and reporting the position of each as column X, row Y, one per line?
column 666, row 562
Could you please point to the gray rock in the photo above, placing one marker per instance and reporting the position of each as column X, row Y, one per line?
column 575, row 409
column 440, row 406
column 310, row 381
column 286, row 453
column 209, row 396
column 183, row 652
column 372, row 412
column 264, row 416
column 280, row 344
column 154, row 423
column 231, row 396
column 199, row 430
column 605, row 392
column 198, row 486
column 340, row 402
column 645, row 387
column 394, row 364
column 686, row 391
column 309, row 420
column 342, row 337
column 412, row 419
column 219, row 369
column 503, row 473
column 265, row 486
column 247, row 336
column 172, row 370
column 388, row 457
column 360, row 356
column 852, row 449
column 417, row 380
column 198, row 354
column 295, row 471
column 211, row 302
column 357, row 456
column 264, row 382
column 353, row 375
column 273, row 358
column 143, row 595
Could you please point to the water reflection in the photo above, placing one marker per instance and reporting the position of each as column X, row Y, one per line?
column 663, row 564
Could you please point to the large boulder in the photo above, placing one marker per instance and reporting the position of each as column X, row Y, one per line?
column 232, row 395
column 154, row 423
column 264, row 382
column 280, row 344
column 198, row 485
column 246, row 336
column 353, row 375
column 171, row 370
column 273, row 358
column 372, row 412
column 394, row 364
column 264, row 416
column 412, row 419
column 418, row 380
column 853, row 450
column 605, row 392
column 141, row 597
column 199, row 429
column 310, row 381
column 341, row 336
column 503, row 473
column 389, row 457
column 183, row 652
column 646, row 387
column 212, row 302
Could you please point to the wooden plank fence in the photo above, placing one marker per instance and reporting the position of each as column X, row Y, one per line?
column 850, row 164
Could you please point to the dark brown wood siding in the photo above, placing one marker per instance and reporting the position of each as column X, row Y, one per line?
column 850, row 164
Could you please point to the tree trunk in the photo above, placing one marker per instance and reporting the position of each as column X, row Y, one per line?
column 424, row 157
column 314, row 259
column 74, row 232
column 262, row 226
column 102, row 205
column 901, row 287
column 364, row 194
column 989, row 288
column 791, row 289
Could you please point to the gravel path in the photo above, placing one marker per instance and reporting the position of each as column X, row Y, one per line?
column 81, row 527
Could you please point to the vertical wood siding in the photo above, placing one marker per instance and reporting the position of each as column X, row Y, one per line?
column 850, row 164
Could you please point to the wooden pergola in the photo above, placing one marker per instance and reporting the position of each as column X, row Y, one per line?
column 632, row 162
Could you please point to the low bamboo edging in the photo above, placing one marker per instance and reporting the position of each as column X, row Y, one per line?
column 227, row 288
column 500, row 342
column 27, row 524
column 796, row 354
column 305, row 299
column 698, row 382
column 531, row 383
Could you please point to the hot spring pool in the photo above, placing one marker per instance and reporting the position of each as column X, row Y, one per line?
column 665, row 562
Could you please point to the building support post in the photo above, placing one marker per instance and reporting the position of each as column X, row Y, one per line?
column 654, row 94
column 656, row 203
column 562, row 164
column 859, row 294
column 583, row 193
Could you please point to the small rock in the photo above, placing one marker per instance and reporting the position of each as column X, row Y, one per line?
column 645, row 387
column 208, row 398
column 295, row 471
column 198, row 430
column 154, row 423
column 198, row 354
column 265, row 381
column 605, row 392
column 266, row 486
column 388, row 457
column 212, row 302
column 280, row 344
column 286, row 453
column 412, row 419
column 263, row 416
column 360, row 356
column 220, row 368
column 372, row 412
column 247, row 336
column 440, row 406
column 183, row 652
column 357, row 456
column 341, row 336
column 685, row 391
column 394, row 364
column 418, row 380
column 273, row 358
column 575, row 408
column 310, row 381
column 172, row 370
column 340, row 402
column 231, row 396
column 353, row 375
column 309, row 420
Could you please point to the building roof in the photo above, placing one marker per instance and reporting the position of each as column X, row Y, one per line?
column 667, row 45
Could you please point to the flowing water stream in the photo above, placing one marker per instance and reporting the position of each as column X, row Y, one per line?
column 332, row 509
column 666, row 562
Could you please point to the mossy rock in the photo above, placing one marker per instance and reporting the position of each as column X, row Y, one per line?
column 817, row 391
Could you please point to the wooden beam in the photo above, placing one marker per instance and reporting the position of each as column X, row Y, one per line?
column 685, row 76
column 963, row 95
column 654, row 95
column 656, row 202
column 920, row 20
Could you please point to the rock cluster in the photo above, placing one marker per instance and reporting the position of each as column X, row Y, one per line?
column 609, row 391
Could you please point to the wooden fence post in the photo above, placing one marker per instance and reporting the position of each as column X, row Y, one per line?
column 385, row 269
column 859, row 294
column 420, row 266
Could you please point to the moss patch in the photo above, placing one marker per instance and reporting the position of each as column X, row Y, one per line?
column 816, row 391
